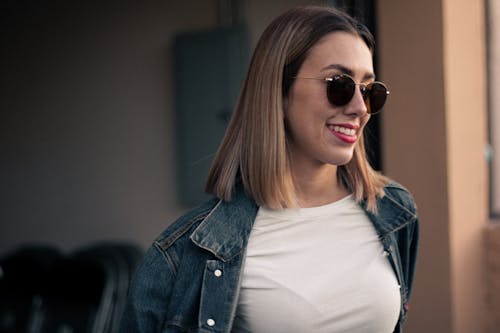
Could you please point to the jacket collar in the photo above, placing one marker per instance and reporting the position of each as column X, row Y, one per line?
column 226, row 229
column 395, row 210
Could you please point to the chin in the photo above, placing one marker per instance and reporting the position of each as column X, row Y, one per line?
column 341, row 160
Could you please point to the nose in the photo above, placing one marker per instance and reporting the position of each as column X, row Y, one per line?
column 356, row 105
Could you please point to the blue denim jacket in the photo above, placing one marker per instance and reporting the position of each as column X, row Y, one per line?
column 189, row 279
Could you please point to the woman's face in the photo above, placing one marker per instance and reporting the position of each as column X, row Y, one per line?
column 319, row 132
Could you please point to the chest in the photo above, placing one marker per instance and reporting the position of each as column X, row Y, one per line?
column 321, row 273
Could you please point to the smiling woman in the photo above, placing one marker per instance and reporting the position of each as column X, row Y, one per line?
column 323, row 135
column 302, row 234
column 268, row 174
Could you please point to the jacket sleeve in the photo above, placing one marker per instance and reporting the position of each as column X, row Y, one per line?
column 149, row 294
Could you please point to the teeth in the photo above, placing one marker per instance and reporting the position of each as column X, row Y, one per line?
column 344, row 130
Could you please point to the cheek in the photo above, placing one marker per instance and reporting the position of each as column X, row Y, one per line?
column 307, row 94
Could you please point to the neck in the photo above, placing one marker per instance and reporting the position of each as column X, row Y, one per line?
column 318, row 186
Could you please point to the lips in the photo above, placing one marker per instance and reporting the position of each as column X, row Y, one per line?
column 345, row 132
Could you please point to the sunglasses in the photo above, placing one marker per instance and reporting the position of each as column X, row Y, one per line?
column 340, row 90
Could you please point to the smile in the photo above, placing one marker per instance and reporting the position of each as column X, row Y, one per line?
column 345, row 134
column 344, row 130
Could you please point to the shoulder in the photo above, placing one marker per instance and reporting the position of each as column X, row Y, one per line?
column 395, row 209
column 187, row 222
column 151, row 287
column 400, row 198
column 165, row 252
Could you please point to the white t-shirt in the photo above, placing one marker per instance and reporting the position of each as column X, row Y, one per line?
column 320, row 269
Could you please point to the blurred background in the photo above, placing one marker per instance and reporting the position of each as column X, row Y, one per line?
column 110, row 113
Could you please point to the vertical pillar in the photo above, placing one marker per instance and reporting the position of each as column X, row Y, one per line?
column 466, row 130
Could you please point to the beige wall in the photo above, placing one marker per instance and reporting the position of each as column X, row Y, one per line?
column 434, row 134
column 466, row 113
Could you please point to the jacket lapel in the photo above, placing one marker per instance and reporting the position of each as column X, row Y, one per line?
column 225, row 231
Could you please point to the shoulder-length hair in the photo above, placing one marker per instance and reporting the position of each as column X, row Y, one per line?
column 254, row 151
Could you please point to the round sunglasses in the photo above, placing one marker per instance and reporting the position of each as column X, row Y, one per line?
column 340, row 90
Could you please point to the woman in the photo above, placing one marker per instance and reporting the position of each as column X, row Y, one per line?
column 302, row 235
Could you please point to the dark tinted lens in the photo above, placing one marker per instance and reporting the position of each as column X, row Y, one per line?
column 377, row 94
column 340, row 90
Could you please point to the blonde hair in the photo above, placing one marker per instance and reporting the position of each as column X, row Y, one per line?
column 254, row 150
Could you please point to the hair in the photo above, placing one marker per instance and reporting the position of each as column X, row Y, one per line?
column 254, row 151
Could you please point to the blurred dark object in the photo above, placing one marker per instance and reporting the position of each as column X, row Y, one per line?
column 43, row 291
column 22, row 278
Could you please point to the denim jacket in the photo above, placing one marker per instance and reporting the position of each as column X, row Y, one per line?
column 190, row 277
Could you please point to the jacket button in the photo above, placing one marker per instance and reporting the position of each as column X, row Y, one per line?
column 218, row 273
column 210, row 322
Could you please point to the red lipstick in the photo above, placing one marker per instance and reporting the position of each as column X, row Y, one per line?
column 344, row 132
